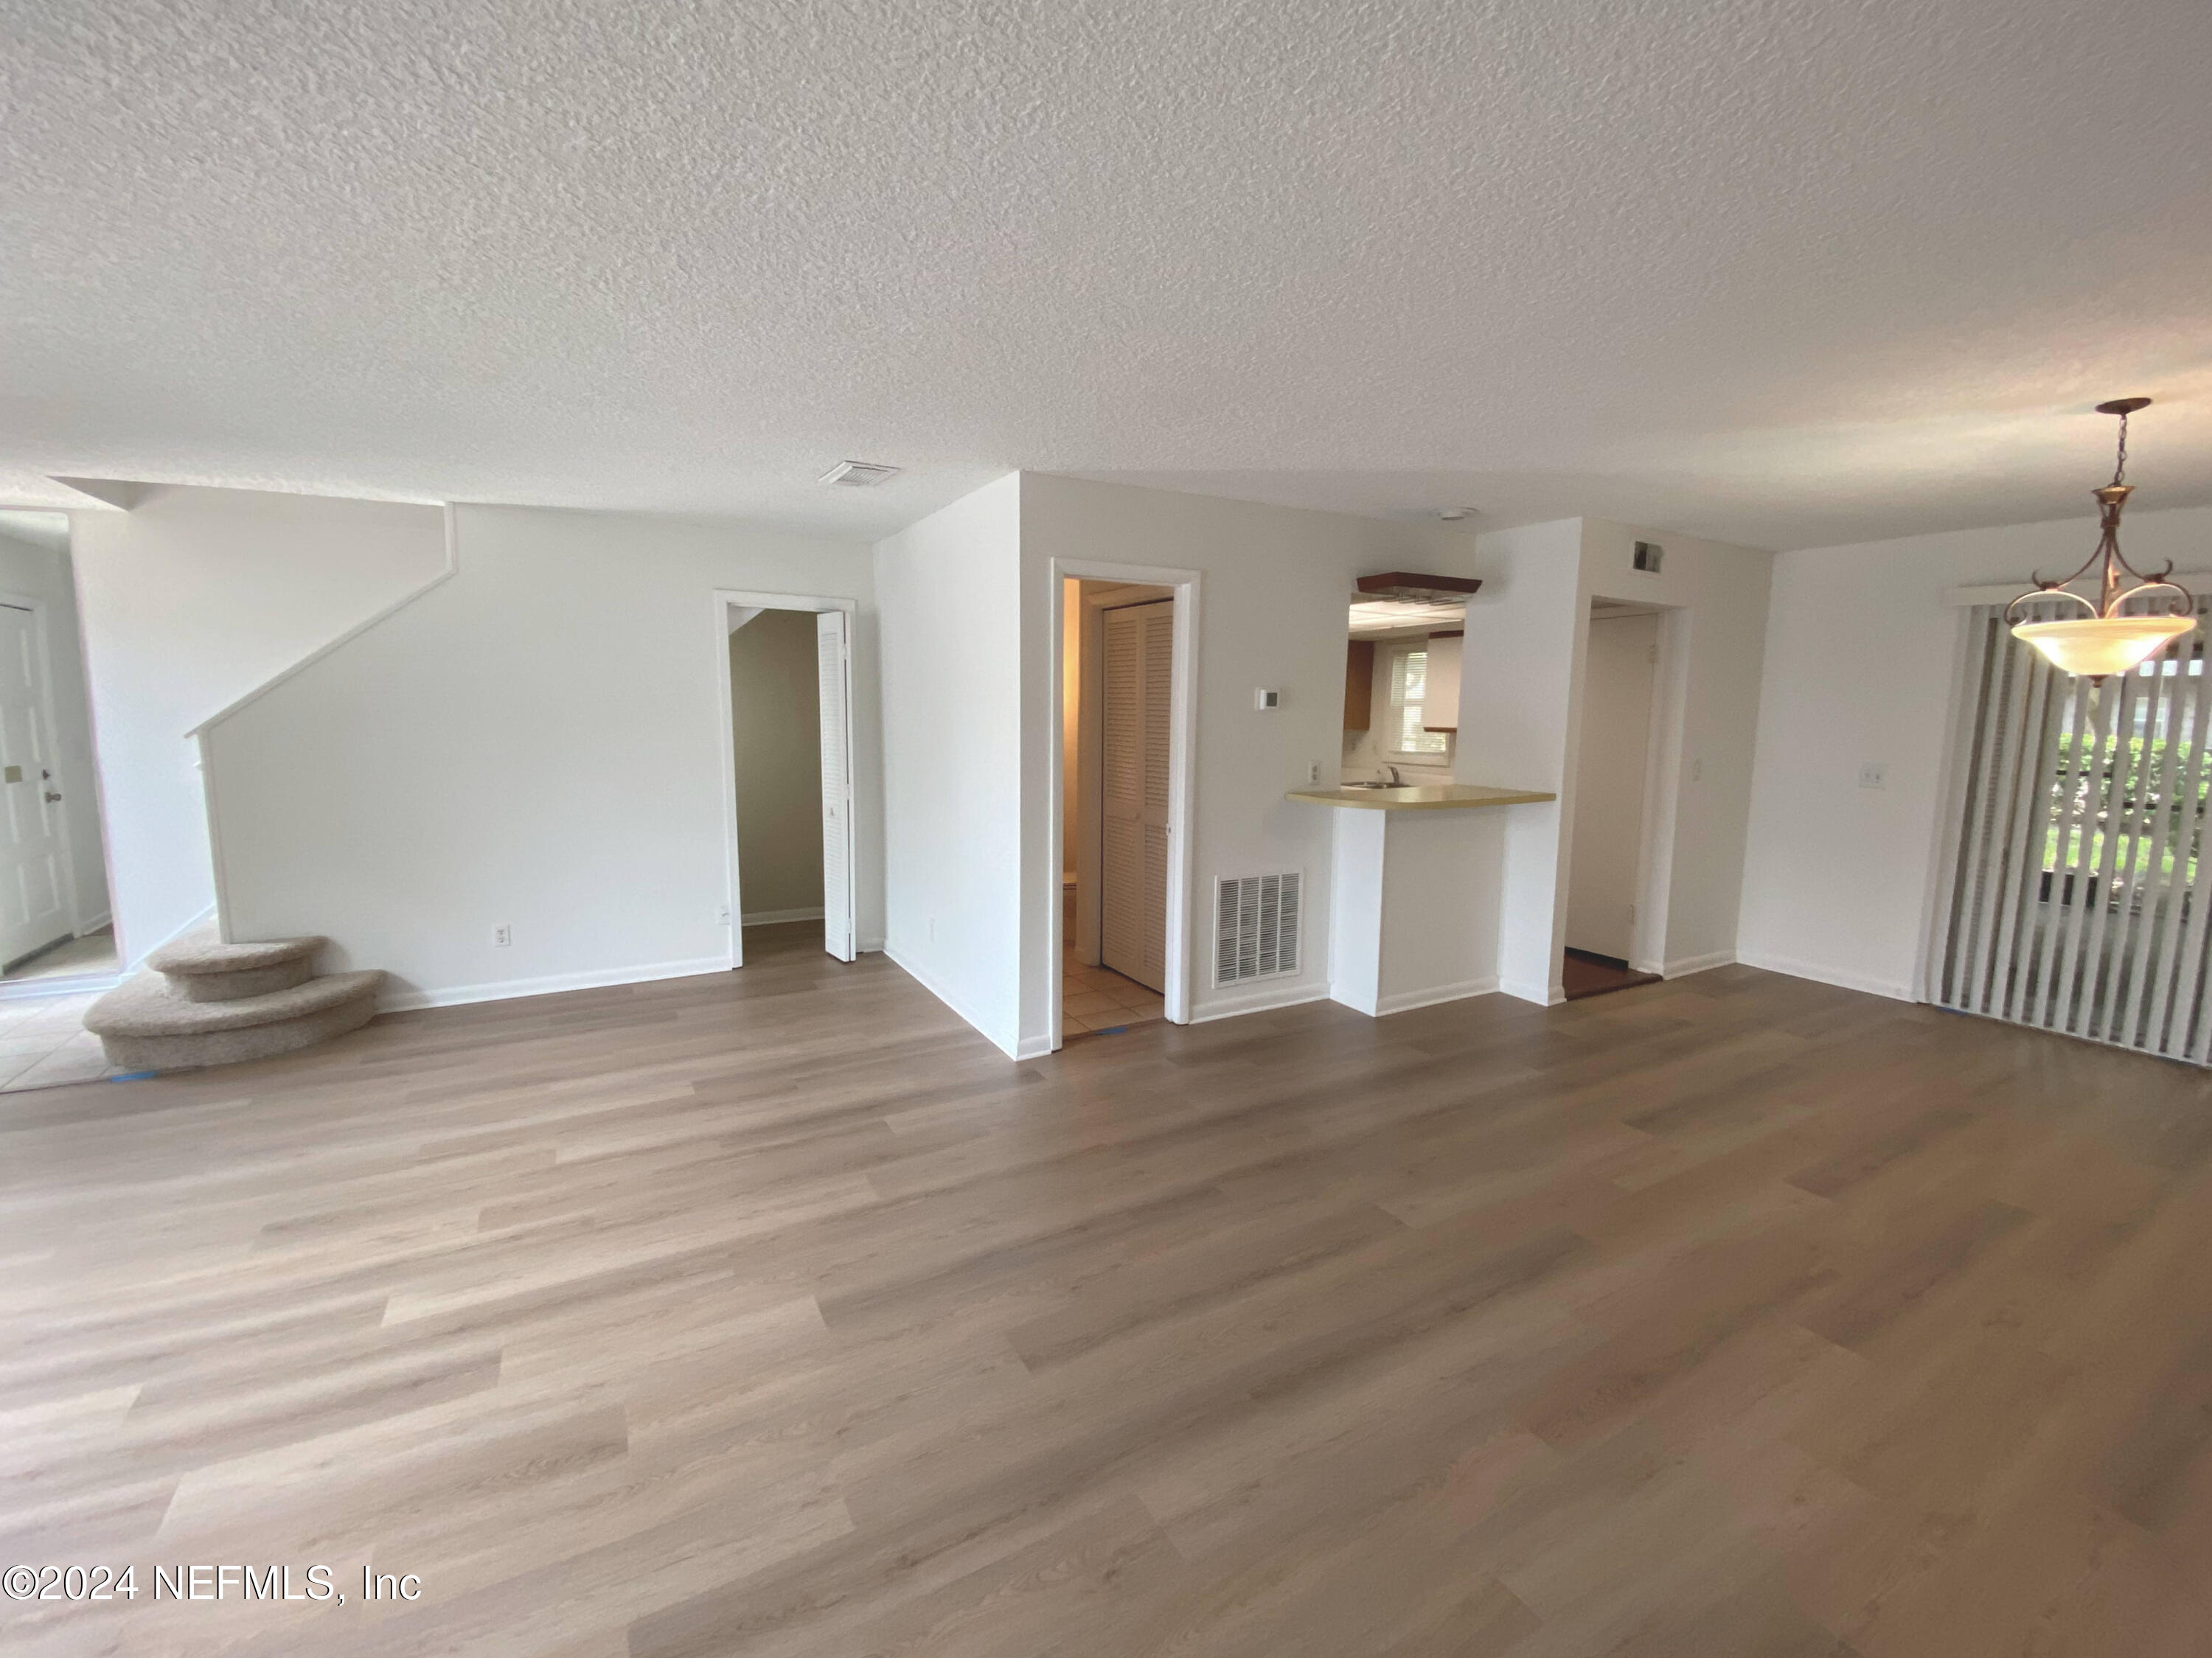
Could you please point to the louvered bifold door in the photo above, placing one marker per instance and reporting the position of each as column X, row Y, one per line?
column 2074, row 902
column 833, row 662
column 1138, row 682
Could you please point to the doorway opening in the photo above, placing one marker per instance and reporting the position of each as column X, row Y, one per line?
column 786, row 668
column 1123, row 886
column 1608, row 865
column 56, row 936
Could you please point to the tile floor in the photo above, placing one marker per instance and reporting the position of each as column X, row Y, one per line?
column 1098, row 998
column 93, row 953
column 44, row 1043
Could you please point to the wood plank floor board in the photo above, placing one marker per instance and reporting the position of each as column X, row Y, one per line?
column 774, row 1312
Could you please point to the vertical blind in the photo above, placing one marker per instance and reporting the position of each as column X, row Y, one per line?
column 2073, row 903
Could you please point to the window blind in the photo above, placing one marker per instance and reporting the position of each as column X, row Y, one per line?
column 2073, row 901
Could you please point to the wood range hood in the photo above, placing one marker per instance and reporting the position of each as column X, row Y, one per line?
column 1409, row 588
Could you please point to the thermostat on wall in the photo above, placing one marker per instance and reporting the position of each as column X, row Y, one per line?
column 1266, row 699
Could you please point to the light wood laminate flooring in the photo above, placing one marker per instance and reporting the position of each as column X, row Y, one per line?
column 776, row 1313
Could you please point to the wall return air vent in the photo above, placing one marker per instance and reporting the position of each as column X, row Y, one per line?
column 1256, row 926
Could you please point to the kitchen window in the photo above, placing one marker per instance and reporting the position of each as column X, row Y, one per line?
column 1409, row 678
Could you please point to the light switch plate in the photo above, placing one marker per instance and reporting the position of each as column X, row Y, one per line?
column 1264, row 698
column 1873, row 774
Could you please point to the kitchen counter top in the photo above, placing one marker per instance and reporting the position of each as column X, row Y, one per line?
column 1419, row 797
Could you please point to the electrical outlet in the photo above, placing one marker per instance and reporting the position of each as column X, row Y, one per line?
column 1313, row 771
column 1873, row 774
column 502, row 936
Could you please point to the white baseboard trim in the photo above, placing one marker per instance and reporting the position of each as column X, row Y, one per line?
column 1358, row 1002
column 873, row 946
column 934, row 988
column 770, row 917
column 1689, row 964
column 1539, row 991
column 66, row 984
column 1034, row 1047
column 93, row 923
column 1406, row 1000
column 1258, row 1001
column 507, row 990
column 1829, row 975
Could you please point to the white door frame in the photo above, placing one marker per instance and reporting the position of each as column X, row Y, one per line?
column 43, row 676
column 726, row 600
column 1182, row 770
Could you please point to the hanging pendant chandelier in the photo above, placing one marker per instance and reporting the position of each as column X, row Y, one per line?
column 2110, row 640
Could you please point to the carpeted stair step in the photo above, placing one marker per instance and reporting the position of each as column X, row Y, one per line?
column 204, row 968
column 146, row 1024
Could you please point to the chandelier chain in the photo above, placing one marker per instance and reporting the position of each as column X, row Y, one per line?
column 2120, row 461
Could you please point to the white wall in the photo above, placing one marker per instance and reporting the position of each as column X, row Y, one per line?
column 775, row 732
column 953, row 655
column 189, row 601
column 1861, row 653
column 1275, row 585
column 44, row 574
column 535, row 742
column 1519, row 667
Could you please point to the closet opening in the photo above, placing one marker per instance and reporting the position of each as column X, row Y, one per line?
column 787, row 794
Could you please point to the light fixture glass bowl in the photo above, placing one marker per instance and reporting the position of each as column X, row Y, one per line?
column 2096, row 646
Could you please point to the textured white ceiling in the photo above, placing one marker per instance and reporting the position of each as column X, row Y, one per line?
column 1781, row 271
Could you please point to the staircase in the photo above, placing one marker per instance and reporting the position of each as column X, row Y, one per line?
column 203, row 1002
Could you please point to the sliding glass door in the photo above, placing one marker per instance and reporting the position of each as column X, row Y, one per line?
column 2079, row 814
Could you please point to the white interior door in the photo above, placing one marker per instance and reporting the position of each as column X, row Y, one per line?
column 1137, row 687
column 833, row 664
column 33, row 912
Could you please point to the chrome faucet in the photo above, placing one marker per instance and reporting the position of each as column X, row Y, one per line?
column 1396, row 781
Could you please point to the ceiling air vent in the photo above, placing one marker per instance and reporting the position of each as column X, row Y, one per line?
column 1256, row 926
column 858, row 474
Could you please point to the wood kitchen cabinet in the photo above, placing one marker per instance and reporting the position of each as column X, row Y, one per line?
column 1359, row 685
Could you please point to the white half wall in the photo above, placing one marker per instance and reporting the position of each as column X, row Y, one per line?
column 535, row 743
column 44, row 574
column 189, row 601
column 1862, row 649
column 949, row 591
